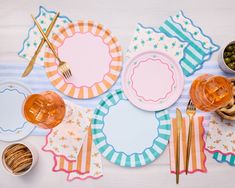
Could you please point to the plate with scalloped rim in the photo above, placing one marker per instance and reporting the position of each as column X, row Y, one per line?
column 13, row 126
column 126, row 135
column 93, row 54
column 152, row 80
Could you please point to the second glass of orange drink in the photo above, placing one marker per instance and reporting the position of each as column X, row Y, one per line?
column 209, row 92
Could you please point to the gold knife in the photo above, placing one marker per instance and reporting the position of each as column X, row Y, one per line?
column 177, row 156
column 32, row 61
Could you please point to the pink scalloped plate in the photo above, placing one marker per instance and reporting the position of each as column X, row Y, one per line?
column 152, row 80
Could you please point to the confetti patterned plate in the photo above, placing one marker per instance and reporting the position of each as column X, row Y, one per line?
column 13, row 126
column 94, row 57
column 152, row 80
column 128, row 136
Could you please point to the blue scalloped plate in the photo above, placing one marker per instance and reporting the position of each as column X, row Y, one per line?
column 13, row 126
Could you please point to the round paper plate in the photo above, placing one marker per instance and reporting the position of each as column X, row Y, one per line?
column 13, row 126
column 93, row 55
column 152, row 81
column 126, row 135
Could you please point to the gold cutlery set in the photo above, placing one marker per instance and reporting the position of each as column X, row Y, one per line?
column 190, row 111
column 63, row 67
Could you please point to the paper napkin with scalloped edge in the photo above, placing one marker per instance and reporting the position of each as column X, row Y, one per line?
column 229, row 159
column 67, row 138
column 88, row 163
column 197, row 159
column 81, row 164
column 147, row 38
column 197, row 33
column 95, row 171
column 200, row 46
column 34, row 37
column 220, row 136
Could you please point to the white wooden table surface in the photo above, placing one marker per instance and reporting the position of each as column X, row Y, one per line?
column 216, row 17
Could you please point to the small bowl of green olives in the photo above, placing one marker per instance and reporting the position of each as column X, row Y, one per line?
column 227, row 58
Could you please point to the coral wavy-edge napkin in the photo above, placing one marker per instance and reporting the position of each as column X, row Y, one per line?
column 87, row 165
column 83, row 159
column 72, row 147
column 66, row 139
column 197, row 156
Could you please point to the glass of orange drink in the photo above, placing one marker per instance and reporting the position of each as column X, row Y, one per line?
column 45, row 110
column 209, row 92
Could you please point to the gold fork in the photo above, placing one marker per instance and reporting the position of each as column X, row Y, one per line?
column 190, row 111
column 63, row 67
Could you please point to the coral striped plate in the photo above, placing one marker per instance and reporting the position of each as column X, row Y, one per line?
column 94, row 57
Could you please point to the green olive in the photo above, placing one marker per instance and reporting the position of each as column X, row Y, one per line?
column 225, row 54
column 229, row 48
column 233, row 52
column 233, row 66
column 232, row 57
column 230, row 65
column 229, row 54
column 227, row 60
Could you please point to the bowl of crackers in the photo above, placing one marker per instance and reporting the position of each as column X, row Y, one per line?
column 228, row 112
column 19, row 158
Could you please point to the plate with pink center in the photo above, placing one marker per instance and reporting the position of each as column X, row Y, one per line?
column 152, row 80
column 93, row 54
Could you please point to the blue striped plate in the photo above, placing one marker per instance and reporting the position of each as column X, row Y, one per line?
column 126, row 135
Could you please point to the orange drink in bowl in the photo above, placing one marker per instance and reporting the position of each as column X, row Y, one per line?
column 46, row 109
column 209, row 92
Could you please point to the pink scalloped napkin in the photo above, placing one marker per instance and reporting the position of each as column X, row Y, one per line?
column 197, row 156
column 71, row 145
column 220, row 136
column 67, row 138
column 87, row 165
